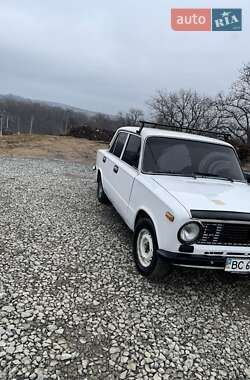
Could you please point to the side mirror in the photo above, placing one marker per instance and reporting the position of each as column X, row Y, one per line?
column 247, row 176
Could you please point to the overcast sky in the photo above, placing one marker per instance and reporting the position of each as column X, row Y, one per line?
column 111, row 55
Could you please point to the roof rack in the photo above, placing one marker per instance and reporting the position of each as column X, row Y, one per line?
column 219, row 135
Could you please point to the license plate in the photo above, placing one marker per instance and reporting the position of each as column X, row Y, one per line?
column 238, row 265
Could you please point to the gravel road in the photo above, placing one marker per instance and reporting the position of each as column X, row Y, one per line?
column 72, row 305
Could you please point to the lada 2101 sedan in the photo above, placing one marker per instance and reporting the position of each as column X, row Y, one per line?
column 184, row 196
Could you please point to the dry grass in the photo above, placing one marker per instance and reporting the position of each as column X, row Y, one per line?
column 52, row 147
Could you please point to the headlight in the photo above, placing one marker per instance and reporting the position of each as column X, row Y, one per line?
column 190, row 232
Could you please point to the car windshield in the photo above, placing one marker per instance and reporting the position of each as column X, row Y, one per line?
column 190, row 158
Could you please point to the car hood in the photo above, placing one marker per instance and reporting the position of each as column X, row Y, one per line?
column 207, row 193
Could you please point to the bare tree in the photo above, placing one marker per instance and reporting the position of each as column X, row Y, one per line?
column 231, row 120
column 185, row 109
column 235, row 107
column 134, row 116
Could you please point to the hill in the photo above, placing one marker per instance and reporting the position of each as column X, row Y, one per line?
column 21, row 115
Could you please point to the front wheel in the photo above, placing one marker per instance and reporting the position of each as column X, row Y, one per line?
column 145, row 247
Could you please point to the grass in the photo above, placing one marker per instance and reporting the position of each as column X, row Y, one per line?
column 52, row 147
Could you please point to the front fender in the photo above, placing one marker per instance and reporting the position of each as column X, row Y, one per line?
column 149, row 197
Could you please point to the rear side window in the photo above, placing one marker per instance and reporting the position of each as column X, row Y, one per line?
column 132, row 152
column 118, row 144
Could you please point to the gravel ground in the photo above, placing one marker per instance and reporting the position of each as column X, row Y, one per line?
column 72, row 305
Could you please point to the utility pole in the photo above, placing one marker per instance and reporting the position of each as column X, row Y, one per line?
column 66, row 126
column 31, row 124
column 18, row 125
column 1, row 125
column 67, row 122
column 7, row 123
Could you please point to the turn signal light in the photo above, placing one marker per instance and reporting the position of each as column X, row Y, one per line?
column 169, row 216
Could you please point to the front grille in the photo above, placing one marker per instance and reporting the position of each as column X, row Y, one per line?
column 228, row 234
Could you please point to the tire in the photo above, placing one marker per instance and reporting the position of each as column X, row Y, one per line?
column 145, row 247
column 101, row 196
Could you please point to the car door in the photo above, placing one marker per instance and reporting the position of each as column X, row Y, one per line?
column 124, row 173
column 111, row 160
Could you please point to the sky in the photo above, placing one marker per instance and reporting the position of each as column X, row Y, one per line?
column 109, row 56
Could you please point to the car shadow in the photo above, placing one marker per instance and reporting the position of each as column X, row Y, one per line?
column 231, row 291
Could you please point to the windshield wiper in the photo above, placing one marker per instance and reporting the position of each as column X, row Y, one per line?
column 171, row 172
column 210, row 175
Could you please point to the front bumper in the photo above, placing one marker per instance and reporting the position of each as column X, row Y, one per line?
column 193, row 260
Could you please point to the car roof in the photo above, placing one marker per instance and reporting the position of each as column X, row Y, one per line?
column 146, row 132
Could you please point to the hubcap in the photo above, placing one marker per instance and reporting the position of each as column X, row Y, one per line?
column 145, row 247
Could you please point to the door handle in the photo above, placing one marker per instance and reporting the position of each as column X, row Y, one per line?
column 116, row 169
column 104, row 159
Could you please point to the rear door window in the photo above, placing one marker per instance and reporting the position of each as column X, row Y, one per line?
column 131, row 154
column 118, row 144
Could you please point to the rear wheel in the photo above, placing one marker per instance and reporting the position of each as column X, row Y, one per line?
column 101, row 196
column 145, row 247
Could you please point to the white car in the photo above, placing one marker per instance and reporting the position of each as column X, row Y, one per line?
column 184, row 196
